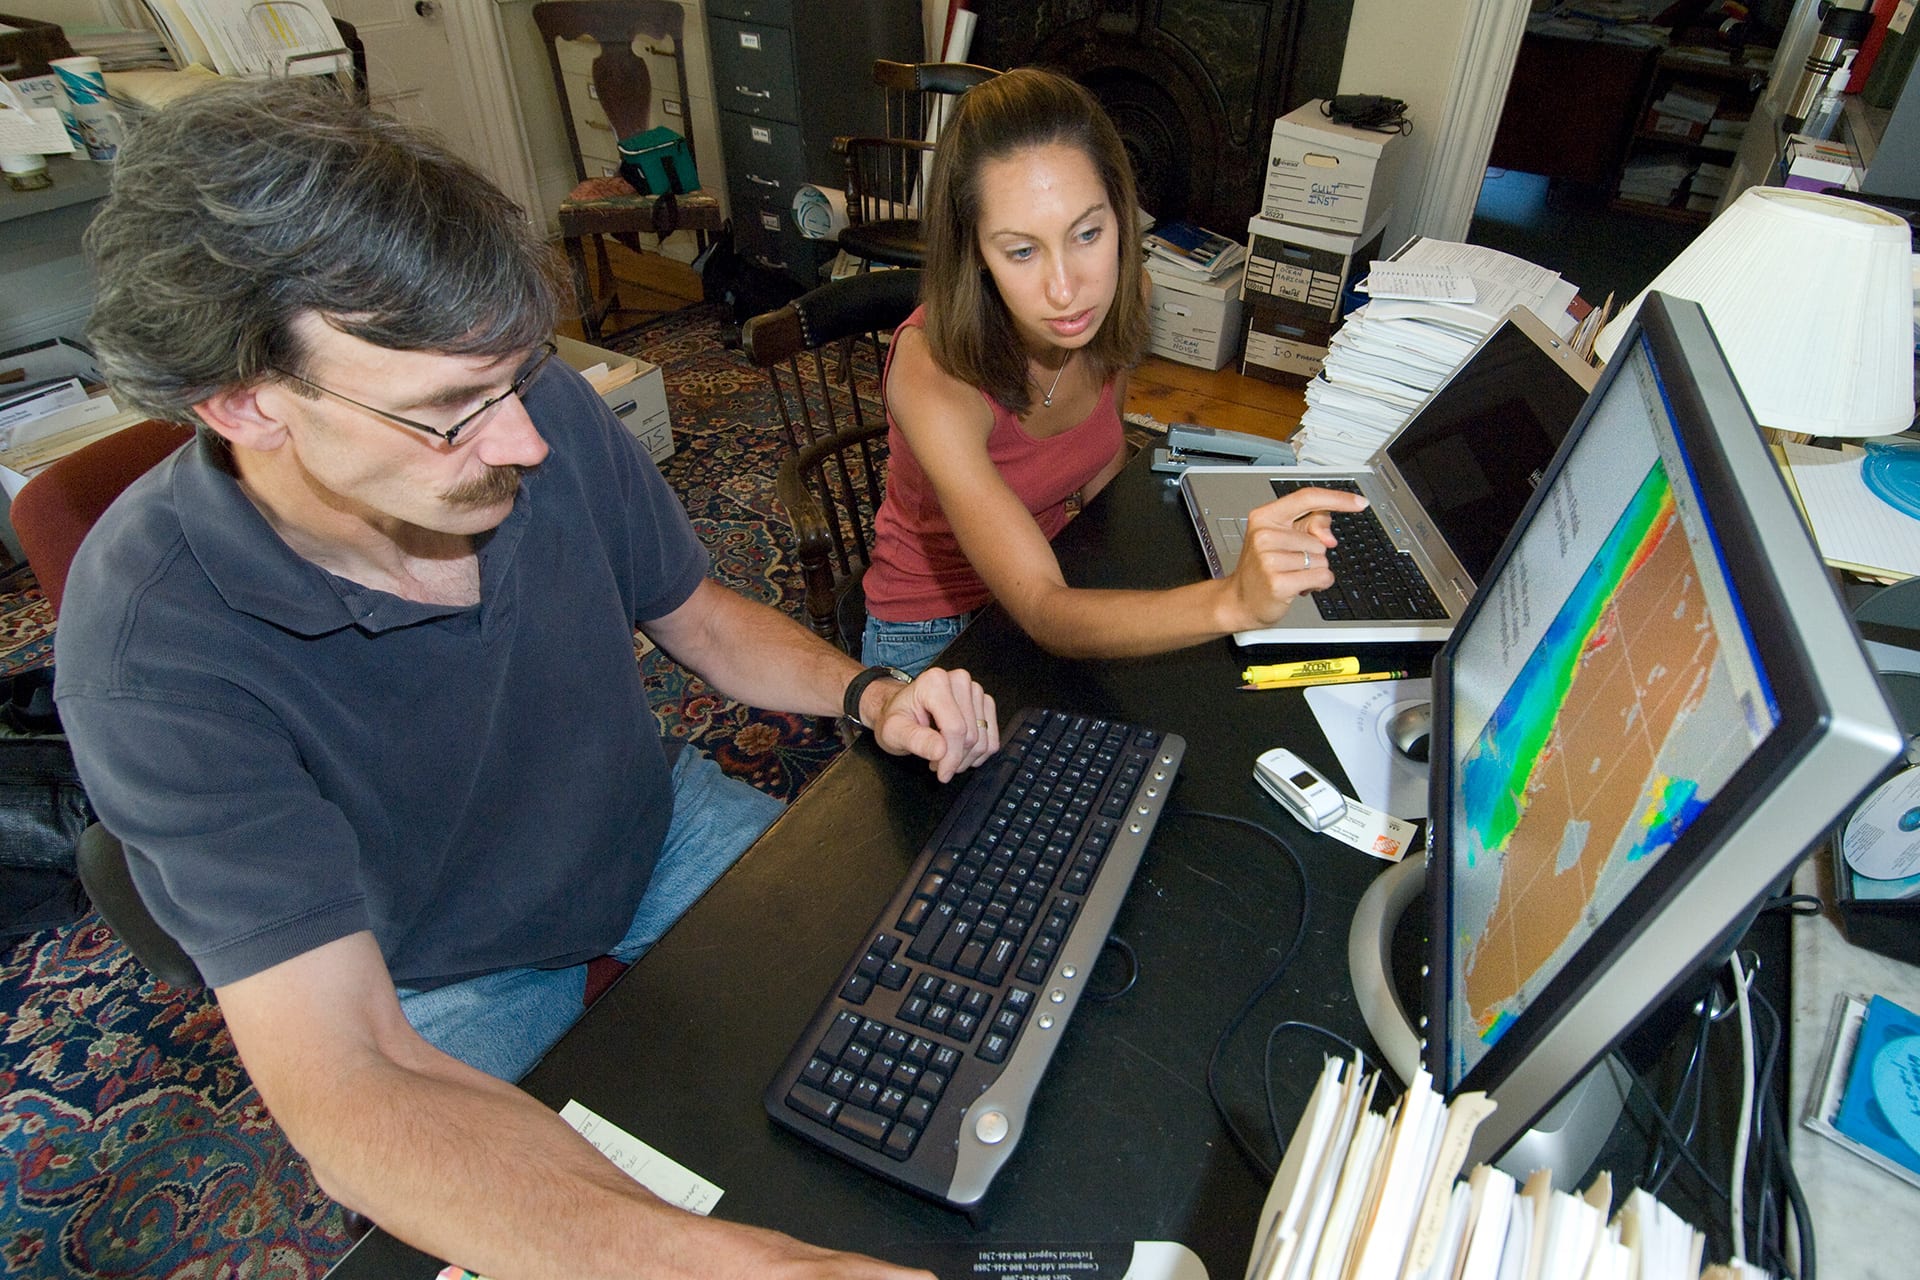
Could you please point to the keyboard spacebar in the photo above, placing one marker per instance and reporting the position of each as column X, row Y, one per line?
column 982, row 790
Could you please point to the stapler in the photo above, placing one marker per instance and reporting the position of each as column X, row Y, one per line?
column 1191, row 445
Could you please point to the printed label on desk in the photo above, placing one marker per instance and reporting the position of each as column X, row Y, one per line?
column 1140, row 1260
column 1371, row 831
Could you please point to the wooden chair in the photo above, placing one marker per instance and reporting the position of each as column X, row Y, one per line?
column 885, row 174
column 623, row 84
column 832, row 483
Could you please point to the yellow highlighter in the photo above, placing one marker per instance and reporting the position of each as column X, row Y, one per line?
column 1299, row 670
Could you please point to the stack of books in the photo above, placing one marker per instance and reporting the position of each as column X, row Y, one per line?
column 1206, row 255
column 1388, row 356
column 1379, row 1196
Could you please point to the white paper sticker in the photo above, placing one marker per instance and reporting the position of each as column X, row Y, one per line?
column 1371, row 831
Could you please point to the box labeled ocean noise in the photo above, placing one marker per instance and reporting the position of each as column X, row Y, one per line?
column 1192, row 320
column 1283, row 346
column 1322, row 174
column 1308, row 267
column 635, row 390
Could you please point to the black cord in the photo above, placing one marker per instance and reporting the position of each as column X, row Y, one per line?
column 1373, row 112
column 1266, row 1065
column 1240, row 1140
column 1125, row 948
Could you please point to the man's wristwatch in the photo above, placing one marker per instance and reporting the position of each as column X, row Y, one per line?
column 856, row 687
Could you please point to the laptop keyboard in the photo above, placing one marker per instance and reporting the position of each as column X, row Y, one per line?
column 922, row 1061
column 1373, row 581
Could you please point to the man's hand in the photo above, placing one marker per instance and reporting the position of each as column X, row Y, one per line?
column 944, row 717
column 1285, row 551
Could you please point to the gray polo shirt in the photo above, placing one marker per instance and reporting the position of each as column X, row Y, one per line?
column 293, row 757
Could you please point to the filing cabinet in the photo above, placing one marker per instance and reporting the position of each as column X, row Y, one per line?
column 789, row 76
column 696, row 118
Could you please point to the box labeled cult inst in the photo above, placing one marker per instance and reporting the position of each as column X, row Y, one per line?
column 1192, row 320
column 1333, row 176
column 634, row 389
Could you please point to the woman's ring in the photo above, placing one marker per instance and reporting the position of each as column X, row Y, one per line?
column 981, row 723
column 1306, row 559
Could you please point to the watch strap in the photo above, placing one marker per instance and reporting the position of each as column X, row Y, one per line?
column 857, row 688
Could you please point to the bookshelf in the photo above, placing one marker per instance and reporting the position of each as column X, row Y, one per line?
column 1695, row 112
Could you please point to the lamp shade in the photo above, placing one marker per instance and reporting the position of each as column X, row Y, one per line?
column 1812, row 300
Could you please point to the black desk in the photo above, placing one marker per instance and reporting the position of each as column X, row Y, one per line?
column 1123, row 1143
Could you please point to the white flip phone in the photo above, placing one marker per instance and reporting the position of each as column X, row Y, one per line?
column 1298, row 786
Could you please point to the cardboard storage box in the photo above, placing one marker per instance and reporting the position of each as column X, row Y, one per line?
column 635, row 390
column 1322, row 174
column 1312, row 269
column 1192, row 320
column 1282, row 346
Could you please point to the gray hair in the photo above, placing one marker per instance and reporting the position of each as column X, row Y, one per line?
column 238, row 210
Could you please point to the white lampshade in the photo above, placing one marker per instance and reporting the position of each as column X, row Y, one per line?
column 1812, row 299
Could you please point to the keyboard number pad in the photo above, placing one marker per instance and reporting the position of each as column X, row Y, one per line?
column 874, row 1083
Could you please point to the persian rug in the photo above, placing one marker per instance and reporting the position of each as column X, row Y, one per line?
column 131, row 1142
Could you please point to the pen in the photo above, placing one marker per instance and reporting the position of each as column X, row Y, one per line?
column 1294, row 670
column 1300, row 682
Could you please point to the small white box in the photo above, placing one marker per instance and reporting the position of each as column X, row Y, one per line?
column 1308, row 266
column 639, row 400
column 1322, row 174
column 1192, row 320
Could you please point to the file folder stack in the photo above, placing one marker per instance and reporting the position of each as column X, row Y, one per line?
column 1378, row 1196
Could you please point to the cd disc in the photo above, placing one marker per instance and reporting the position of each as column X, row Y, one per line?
column 1882, row 839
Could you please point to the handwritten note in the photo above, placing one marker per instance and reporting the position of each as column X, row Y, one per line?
column 1417, row 284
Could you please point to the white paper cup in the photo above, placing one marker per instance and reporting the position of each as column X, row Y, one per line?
column 93, row 115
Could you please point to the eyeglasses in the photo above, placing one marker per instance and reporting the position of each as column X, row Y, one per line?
column 446, row 434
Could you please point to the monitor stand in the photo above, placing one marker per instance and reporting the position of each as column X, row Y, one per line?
column 1568, row 1139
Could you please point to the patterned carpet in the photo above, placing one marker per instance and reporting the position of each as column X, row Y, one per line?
column 131, row 1144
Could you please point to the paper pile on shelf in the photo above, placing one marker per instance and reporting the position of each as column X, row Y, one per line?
column 1653, row 179
column 1374, row 1196
column 1388, row 356
column 252, row 37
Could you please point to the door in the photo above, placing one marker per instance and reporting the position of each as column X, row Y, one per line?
column 411, row 71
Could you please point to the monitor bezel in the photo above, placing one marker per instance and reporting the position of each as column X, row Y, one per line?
column 1744, row 510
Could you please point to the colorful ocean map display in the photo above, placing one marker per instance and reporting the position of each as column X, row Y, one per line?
column 1570, row 790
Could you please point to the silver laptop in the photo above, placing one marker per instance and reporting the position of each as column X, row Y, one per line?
column 1446, row 491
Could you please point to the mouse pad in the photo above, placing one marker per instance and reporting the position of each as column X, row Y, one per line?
column 1354, row 718
column 1139, row 1260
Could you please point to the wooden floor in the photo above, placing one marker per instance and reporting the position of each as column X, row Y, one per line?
column 1169, row 391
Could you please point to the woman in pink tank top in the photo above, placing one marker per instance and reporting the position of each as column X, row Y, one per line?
column 1004, row 392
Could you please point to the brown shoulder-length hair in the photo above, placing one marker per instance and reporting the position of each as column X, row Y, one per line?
column 969, row 330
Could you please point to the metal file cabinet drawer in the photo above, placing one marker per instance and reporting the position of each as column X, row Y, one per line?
column 753, row 70
column 763, row 157
column 778, row 13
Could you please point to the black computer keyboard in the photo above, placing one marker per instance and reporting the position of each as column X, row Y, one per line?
column 922, row 1061
column 1373, row 580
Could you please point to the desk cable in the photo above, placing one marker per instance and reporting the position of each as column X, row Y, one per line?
column 1241, row 1140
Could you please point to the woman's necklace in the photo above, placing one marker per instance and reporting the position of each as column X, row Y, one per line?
column 1046, row 401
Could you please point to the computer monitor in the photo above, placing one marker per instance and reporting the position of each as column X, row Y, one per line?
column 1653, row 707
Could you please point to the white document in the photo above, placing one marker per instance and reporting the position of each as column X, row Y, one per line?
column 1487, row 1232
column 1287, row 1198
column 1415, row 283
column 665, row 1177
column 1851, row 524
column 1355, row 718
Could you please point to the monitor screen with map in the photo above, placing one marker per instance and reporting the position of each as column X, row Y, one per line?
column 1654, row 706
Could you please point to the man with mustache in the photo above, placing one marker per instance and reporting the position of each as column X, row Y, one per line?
column 352, row 674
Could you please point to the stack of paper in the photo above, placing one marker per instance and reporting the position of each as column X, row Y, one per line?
column 1389, row 355
column 252, row 37
column 1206, row 255
column 1653, row 179
column 1368, row 1196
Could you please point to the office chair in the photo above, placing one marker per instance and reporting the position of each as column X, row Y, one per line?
column 631, row 34
column 884, row 174
column 51, row 515
column 831, row 483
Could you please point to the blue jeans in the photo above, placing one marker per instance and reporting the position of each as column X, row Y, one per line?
column 910, row 646
column 503, row 1022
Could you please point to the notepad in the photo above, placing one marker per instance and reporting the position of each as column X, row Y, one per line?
column 1852, row 526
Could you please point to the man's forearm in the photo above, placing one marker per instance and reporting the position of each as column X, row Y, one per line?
column 756, row 654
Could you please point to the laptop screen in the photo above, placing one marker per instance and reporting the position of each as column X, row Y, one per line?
column 1473, row 454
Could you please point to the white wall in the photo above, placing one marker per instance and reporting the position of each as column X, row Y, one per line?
column 1407, row 51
